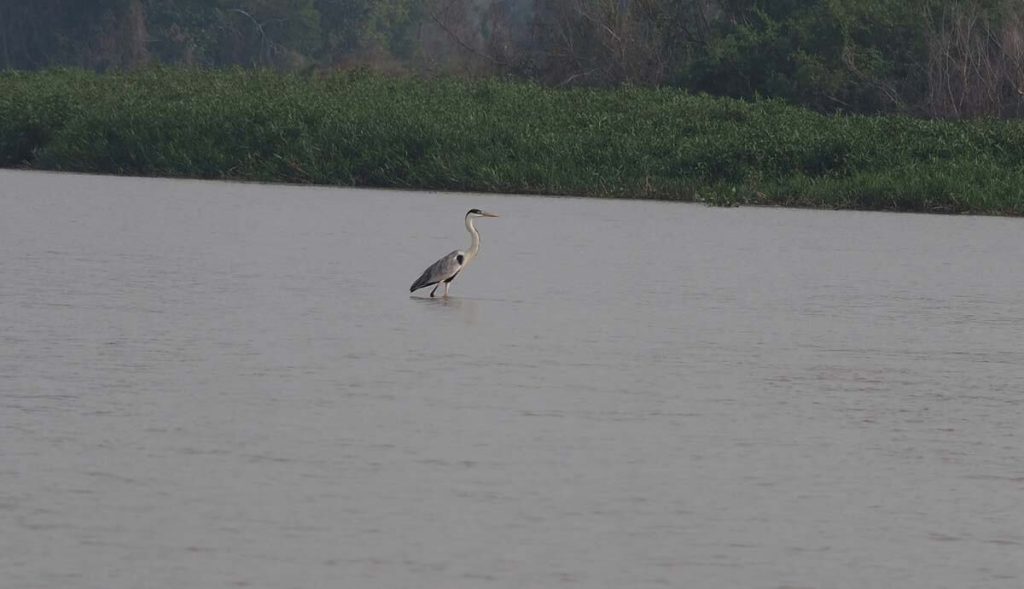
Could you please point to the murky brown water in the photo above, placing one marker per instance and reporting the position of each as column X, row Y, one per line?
column 221, row 385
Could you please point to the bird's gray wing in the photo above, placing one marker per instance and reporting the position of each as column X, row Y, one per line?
column 443, row 269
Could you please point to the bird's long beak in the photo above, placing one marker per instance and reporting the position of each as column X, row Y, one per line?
column 486, row 214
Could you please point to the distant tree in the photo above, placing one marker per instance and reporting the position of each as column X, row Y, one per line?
column 369, row 27
column 827, row 54
column 975, row 58
column 101, row 34
column 184, row 31
column 281, row 33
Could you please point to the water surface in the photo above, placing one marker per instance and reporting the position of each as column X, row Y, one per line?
column 228, row 385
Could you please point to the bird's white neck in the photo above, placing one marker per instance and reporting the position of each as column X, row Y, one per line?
column 475, row 246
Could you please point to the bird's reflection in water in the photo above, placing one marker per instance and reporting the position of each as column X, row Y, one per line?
column 468, row 309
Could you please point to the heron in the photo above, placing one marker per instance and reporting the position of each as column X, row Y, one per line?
column 447, row 268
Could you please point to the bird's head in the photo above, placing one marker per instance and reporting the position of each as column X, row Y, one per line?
column 477, row 213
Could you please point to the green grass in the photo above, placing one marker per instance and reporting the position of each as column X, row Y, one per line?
column 357, row 129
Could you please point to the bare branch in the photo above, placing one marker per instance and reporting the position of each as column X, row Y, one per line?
column 458, row 40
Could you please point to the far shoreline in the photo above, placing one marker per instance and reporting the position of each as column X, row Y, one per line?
column 362, row 130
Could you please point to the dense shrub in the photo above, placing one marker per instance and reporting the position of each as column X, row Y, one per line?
column 358, row 129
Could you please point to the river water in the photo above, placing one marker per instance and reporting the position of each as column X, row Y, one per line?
column 228, row 385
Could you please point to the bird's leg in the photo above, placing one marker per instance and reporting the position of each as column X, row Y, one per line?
column 446, row 289
column 435, row 289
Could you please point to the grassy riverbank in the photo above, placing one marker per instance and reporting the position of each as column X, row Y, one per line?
column 365, row 130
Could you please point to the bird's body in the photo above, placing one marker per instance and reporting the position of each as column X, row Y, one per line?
column 447, row 268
